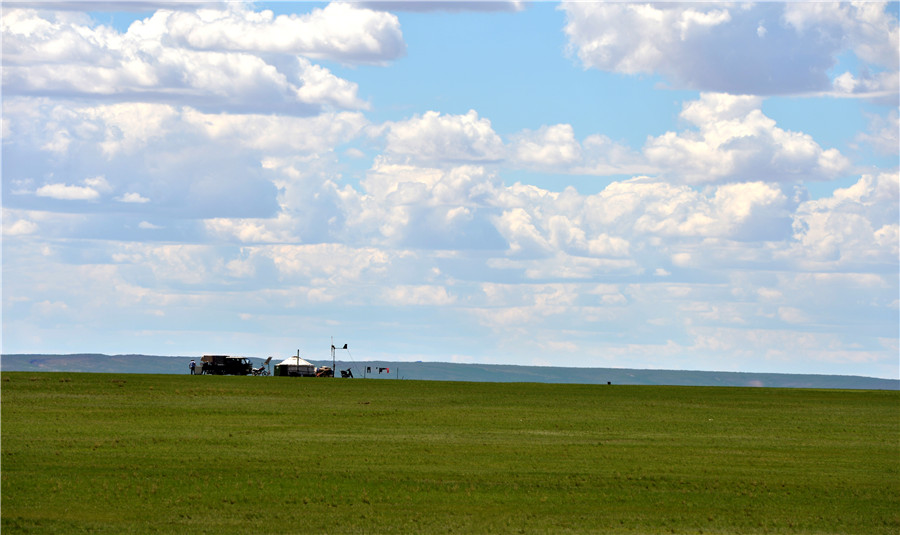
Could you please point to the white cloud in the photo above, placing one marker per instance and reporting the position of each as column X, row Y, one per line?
column 50, row 308
column 122, row 129
column 731, row 140
column 570, row 266
column 265, row 205
column 417, row 295
column 424, row 206
column 40, row 224
column 792, row 315
column 763, row 49
column 518, row 228
column 207, row 58
column 339, row 31
column 63, row 125
column 522, row 307
column 126, row 126
column 251, row 230
column 754, row 210
column 879, row 86
column 603, row 156
column 318, row 85
column 745, row 211
column 883, row 134
column 98, row 183
column 551, row 146
column 20, row 227
column 172, row 154
column 770, row 294
column 328, row 263
column 856, row 226
column 132, row 197
column 778, row 347
column 735, row 141
column 68, row 192
column 866, row 27
column 631, row 228
column 452, row 6
column 277, row 134
column 444, row 138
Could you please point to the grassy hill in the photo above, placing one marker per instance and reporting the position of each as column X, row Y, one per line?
column 443, row 371
column 114, row 453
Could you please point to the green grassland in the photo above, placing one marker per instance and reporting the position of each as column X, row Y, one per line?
column 104, row 453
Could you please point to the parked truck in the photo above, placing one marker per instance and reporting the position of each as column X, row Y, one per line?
column 225, row 365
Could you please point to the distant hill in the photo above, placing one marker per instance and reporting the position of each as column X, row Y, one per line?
column 445, row 371
column 95, row 363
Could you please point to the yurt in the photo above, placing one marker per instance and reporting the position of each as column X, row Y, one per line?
column 295, row 367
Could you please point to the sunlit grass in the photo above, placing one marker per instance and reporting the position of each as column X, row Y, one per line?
column 165, row 454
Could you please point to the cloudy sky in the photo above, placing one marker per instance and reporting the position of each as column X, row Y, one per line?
column 697, row 186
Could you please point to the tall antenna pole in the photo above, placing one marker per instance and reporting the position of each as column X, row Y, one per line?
column 333, row 362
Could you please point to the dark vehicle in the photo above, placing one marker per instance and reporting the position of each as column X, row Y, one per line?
column 225, row 365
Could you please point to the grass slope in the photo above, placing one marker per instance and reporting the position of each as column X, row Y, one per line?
column 179, row 454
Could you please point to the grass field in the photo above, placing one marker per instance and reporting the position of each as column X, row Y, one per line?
column 117, row 454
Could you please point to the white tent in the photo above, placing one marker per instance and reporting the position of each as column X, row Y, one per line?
column 295, row 366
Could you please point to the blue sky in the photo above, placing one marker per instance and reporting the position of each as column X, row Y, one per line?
column 696, row 186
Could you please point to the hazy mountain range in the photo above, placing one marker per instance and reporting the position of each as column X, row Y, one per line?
column 444, row 371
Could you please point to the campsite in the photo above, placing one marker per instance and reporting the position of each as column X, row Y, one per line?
column 135, row 453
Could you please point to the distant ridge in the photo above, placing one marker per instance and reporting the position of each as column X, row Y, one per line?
column 95, row 363
column 446, row 371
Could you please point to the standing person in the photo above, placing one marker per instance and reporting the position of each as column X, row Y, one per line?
column 192, row 366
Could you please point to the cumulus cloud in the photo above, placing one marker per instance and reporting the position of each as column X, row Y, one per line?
column 132, row 197
column 425, row 206
column 551, row 146
column 526, row 306
column 735, row 141
column 338, row 267
column 865, row 27
column 421, row 295
column 340, row 31
column 254, row 230
column 20, row 227
column 274, row 135
column 722, row 47
column 883, row 134
column 452, row 6
column 122, row 129
column 444, row 138
column 783, row 346
column 856, row 226
column 213, row 59
column 274, row 194
column 603, row 156
column 540, row 232
column 171, row 154
column 752, row 211
column 68, row 192
column 731, row 140
column 881, row 87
